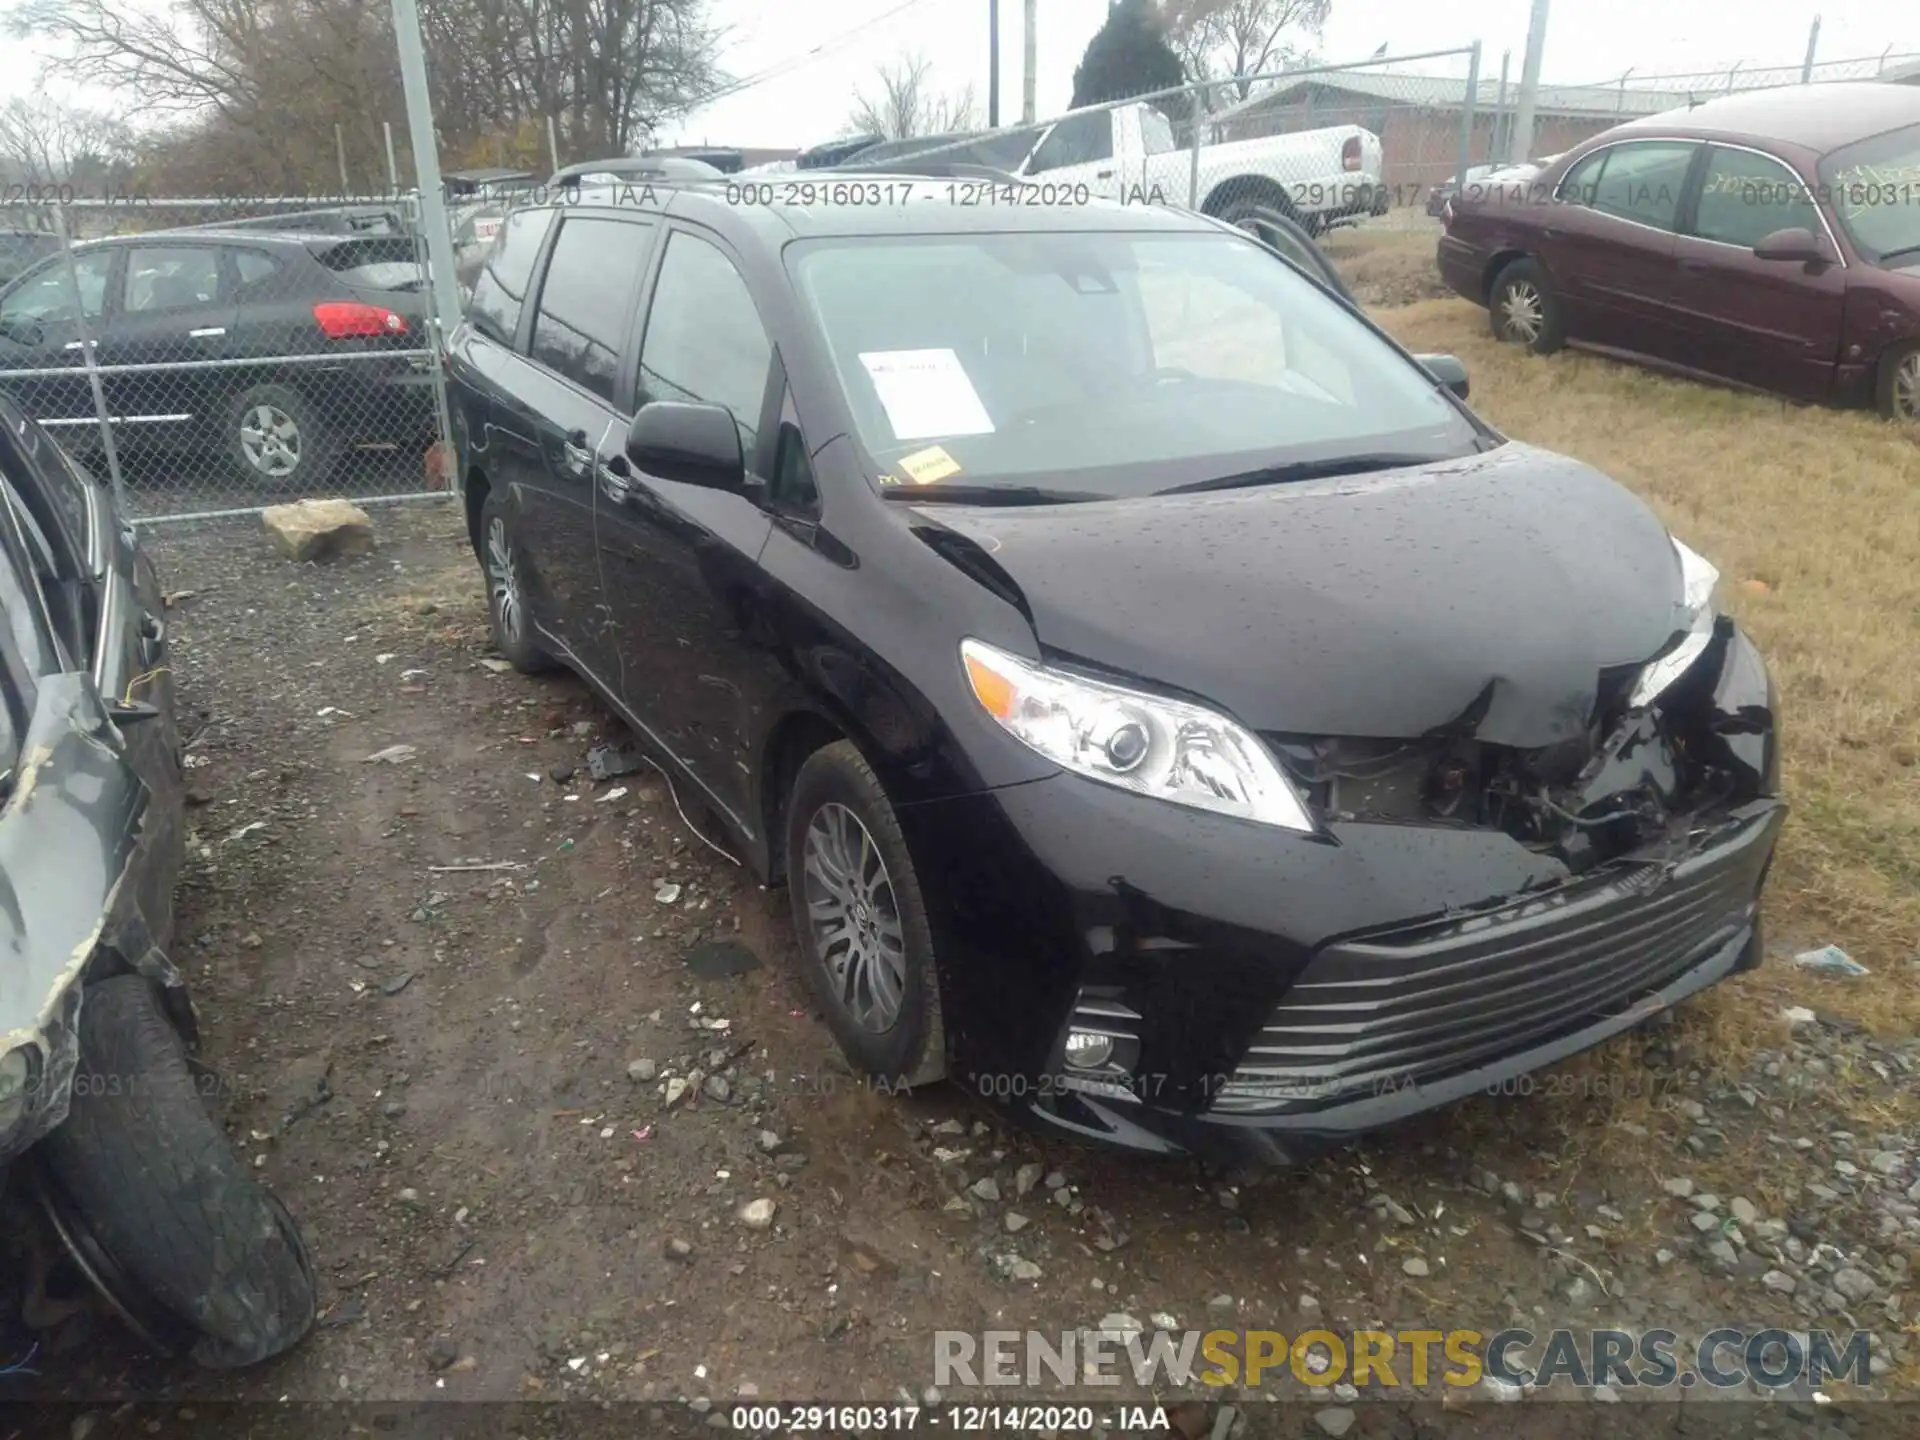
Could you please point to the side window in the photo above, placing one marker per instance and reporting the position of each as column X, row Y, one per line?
column 50, row 475
column 1642, row 181
column 1076, row 140
column 502, row 287
column 46, row 296
column 256, row 269
column 1746, row 197
column 705, row 341
column 793, row 485
column 1156, row 131
column 171, row 277
column 582, row 319
column 1580, row 181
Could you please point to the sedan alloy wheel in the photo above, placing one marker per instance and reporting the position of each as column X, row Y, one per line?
column 854, row 918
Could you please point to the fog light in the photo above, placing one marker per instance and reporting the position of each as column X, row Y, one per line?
column 1088, row 1050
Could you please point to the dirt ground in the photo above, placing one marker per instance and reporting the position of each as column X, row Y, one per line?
column 453, row 994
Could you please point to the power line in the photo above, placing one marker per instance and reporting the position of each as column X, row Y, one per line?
column 797, row 62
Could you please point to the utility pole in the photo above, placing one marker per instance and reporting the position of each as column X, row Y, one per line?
column 426, row 164
column 993, row 64
column 1521, row 140
column 1813, row 43
column 1029, row 69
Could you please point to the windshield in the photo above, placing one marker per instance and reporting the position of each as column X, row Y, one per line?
column 1875, row 185
column 1106, row 363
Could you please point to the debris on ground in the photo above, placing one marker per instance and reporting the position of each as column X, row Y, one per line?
column 721, row 960
column 610, row 762
column 319, row 529
column 392, row 755
column 1832, row 959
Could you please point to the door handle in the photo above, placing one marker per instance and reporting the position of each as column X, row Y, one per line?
column 81, row 345
column 1103, row 174
column 578, row 457
column 208, row 333
column 617, row 484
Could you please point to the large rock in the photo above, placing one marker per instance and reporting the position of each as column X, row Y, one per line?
column 319, row 529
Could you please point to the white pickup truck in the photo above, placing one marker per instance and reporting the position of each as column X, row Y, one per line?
column 1129, row 153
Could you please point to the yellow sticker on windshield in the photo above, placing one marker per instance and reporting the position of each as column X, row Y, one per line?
column 924, row 467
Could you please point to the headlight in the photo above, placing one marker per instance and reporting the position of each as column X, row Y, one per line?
column 1698, row 578
column 1144, row 743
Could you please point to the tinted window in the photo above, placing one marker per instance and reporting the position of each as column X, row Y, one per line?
column 1076, row 140
column 177, row 277
column 704, row 338
column 1642, row 182
column 583, row 313
column 56, row 481
column 21, row 603
column 1746, row 197
column 502, row 287
column 254, row 266
column 793, row 482
column 47, row 296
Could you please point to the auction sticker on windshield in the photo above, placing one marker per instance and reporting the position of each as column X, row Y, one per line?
column 926, row 393
column 924, row 467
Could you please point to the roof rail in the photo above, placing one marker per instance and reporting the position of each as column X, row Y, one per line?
column 928, row 169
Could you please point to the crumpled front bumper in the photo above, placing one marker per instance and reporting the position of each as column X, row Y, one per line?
column 1268, row 993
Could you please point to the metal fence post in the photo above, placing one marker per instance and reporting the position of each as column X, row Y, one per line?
column 1466, row 117
column 1197, row 109
column 426, row 165
column 393, row 167
column 87, row 358
column 1813, row 44
column 1498, row 147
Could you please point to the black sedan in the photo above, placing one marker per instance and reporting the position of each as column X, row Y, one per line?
column 249, row 351
column 97, row 1100
column 1171, row 710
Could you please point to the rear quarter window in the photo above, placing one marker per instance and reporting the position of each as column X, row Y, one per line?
column 385, row 263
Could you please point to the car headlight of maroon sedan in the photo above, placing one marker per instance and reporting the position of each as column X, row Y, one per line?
column 1171, row 711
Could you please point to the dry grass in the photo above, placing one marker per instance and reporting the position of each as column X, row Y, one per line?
column 1813, row 517
column 1386, row 267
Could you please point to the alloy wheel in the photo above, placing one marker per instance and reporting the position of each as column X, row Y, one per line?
column 1523, row 311
column 270, row 439
column 854, row 918
column 503, row 580
column 1906, row 388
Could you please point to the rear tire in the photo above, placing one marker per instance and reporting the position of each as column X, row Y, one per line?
column 861, row 922
column 1523, row 311
column 157, row 1185
column 276, row 437
column 503, row 563
column 1897, row 395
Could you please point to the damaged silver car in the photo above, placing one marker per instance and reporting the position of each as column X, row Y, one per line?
column 103, row 1114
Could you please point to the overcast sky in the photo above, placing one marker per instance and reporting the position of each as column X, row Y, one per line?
column 822, row 54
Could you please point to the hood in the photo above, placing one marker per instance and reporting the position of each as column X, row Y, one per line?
column 1382, row 606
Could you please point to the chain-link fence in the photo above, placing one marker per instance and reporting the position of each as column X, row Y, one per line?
column 1327, row 146
column 210, row 355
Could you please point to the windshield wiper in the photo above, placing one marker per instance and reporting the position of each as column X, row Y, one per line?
column 1306, row 470
column 938, row 494
column 1887, row 255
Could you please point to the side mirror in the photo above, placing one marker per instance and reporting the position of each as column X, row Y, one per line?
column 1448, row 370
column 691, row 444
column 1794, row 244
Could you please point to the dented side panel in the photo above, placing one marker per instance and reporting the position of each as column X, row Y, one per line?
column 81, row 840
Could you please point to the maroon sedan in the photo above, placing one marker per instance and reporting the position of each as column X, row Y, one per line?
column 1770, row 240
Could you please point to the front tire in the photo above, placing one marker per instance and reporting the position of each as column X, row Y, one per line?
column 156, row 1185
column 1897, row 395
column 503, row 562
column 1523, row 310
column 861, row 922
column 277, row 438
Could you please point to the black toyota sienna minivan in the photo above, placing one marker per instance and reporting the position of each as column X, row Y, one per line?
column 1170, row 710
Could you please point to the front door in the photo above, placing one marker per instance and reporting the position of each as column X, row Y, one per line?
column 676, row 556
column 1771, row 323
column 1607, row 243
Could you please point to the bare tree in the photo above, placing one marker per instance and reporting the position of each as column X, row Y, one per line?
column 908, row 105
column 45, row 141
column 256, row 87
column 1235, row 39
